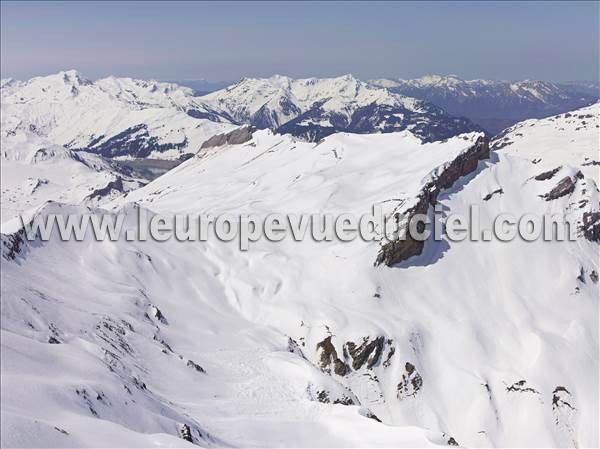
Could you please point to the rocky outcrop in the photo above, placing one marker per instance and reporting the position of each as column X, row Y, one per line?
column 195, row 366
column 235, row 137
column 401, row 249
column 521, row 387
column 547, row 174
column 591, row 226
column 113, row 186
column 185, row 433
column 411, row 382
column 329, row 358
column 490, row 195
column 565, row 187
column 368, row 352
column 13, row 244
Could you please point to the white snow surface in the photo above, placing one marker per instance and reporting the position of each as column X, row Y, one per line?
column 491, row 344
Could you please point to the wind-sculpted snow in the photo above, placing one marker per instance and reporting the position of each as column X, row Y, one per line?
column 317, row 107
column 309, row 344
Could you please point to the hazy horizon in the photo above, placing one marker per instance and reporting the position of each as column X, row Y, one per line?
column 222, row 42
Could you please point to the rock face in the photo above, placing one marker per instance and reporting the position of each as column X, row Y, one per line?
column 547, row 174
column 591, row 226
column 113, row 186
column 399, row 250
column 329, row 358
column 368, row 352
column 565, row 187
column 235, row 137
column 411, row 382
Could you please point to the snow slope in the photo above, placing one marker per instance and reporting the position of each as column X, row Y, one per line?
column 492, row 104
column 111, row 117
column 35, row 171
column 313, row 108
column 296, row 344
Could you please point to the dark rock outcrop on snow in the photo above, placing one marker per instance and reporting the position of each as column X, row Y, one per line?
column 235, row 137
column 591, row 226
column 329, row 358
column 411, row 382
column 402, row 249
column 547, row 174
column 368, row 352
column 565, row 187
column 113, row 186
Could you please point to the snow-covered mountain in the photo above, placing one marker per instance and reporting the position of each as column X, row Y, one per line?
column 316, row 107
column 494, row 105
column 314, row 344
column 112, row 117
column 35, row 171
column 202, row 86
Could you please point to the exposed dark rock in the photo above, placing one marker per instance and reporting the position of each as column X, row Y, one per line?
column 591, row 226
column 159, row 315
column 452, row 442
column 560, row 398
column 368, row 352
column 411, row 382
column 591, row 163
column 197, row 367
column 565, row 187
column 113, row 186
column 86, row 399
column 581, row 277
column 547, row 174
column 185, row 433
column 521, row 386
column 594, row 276
column 53, row 340
column 369, row 414
column 324, row 397
column 490, row 195
column 388, row 360
column 399, row 250
column 13, row 244
column 63, row 431
column 294, row 348
column 329, row 358
column 235, row 137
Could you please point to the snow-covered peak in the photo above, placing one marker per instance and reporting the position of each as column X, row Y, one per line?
column 112, row 116
column 315, row 107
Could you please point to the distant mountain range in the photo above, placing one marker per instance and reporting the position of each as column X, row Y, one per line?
column 129, row 119
column 495, row 105
column 313, row 108
column 201, row 86
column 113, row 117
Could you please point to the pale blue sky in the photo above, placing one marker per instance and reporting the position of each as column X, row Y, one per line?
column 225, row 41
